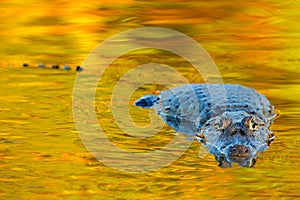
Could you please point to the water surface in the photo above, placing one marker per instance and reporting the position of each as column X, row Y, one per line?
column 253, row 44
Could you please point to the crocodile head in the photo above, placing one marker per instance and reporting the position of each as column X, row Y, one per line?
column 235, row 137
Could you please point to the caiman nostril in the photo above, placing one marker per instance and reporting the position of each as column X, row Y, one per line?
column 239, row 151
column 234, row 150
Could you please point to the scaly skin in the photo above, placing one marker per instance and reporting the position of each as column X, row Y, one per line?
column 232, row 121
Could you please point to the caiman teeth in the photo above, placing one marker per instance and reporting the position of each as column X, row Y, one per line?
column 201, row 137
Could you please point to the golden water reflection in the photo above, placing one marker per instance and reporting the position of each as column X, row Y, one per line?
column 253, row 43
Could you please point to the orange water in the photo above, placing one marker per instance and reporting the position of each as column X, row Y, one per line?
column 42, row 157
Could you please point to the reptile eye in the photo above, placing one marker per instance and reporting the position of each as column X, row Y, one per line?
column 222, row 123
column 253, row 124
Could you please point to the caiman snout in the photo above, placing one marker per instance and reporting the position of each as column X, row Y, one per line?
column 238, row 151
